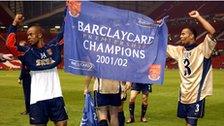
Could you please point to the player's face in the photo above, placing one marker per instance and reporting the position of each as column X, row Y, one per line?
column 186, row 37
column 33, row 35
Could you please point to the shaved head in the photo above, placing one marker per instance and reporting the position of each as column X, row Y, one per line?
column 37, row 29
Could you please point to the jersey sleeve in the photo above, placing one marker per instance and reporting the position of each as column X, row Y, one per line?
column 207, row 46
column 11, row 42
column 172, row 52
column 58, row 40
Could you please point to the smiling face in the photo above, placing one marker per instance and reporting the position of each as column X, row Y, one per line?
column 34, row 35
column 187, row 37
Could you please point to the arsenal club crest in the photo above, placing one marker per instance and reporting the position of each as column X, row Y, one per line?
column 154, row 72
column 49, row 52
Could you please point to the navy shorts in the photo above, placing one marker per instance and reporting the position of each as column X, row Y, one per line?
column 191, row 112
column 53, row 109
column 144, row 88
column 107, row 99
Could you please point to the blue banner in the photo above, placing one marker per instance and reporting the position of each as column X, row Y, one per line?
column 116, row 44
column 89, row 114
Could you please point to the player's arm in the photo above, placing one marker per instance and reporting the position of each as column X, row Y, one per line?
column 70, row 5
column 11, row 39
column 172, row 51
column 87, row 83
column 59, row 38
column 207, row 26
column 209, row 42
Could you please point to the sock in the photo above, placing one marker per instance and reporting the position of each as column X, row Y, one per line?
column 121, row 118
column 132, row 109
column 144, row 108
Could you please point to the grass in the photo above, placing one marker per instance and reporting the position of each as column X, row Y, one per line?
column 162, row 101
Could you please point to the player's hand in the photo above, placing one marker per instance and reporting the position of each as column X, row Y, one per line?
column 86, row 91
column 158, row 21
column 7, row 56
column 19, row 81
column 194, row 14
column 74, row 7
column 18, row 19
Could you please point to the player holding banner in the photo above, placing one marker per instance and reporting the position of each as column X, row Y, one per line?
column 107, row 98
column 46, row 100
column 194, row 62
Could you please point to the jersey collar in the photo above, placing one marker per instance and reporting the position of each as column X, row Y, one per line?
column 190, row 47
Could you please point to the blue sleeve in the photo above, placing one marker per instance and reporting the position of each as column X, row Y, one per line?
column 22, row 48
column 60, row 35
column 12, row 29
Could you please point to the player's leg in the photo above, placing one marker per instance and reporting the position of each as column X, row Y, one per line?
column 114, row 115
column 191, row 122
column 195, row 111
column 144, row 106
column 61, row 123
column 57, row 112
column 121, row 116
column 146, row 88
column 26, row 88
column 114, row 104
column 101, row 102
column 37, row 114
column 102, row 113
column 133, row 96
column 182, row 111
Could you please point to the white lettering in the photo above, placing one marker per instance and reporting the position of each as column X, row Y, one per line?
column 128, row 37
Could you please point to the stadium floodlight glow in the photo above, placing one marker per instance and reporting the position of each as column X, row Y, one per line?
column 57, row 27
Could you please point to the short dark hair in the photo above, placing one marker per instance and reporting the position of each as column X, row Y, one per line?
column 193, row 30
column 38, row 27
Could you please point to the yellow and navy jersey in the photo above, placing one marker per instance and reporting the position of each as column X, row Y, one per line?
column 195, row 69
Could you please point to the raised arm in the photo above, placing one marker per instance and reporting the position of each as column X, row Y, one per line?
column 59, row 37
column 74, row 8
column 11, row 39
column 207, row 26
